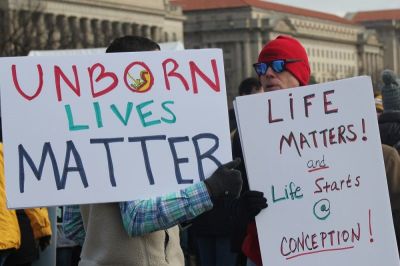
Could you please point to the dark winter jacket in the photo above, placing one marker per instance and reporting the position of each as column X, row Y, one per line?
column 215, row 222
column 239, row 226
column 389, row 128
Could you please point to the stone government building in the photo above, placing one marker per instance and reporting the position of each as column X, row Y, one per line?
column 337, row 47
column 386, row 23
column 61, row 24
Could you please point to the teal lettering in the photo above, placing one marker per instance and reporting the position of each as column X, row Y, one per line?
column 275, row 199
column 143, row 116
column 72, row 126
column 128, row 112
column 292, row 192
column 164, row 106
column 97, row 110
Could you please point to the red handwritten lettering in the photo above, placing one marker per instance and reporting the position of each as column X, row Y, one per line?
column 173, row 73
column 194, row 69
column 19, row 89
column 58, row 74
column 101, row 76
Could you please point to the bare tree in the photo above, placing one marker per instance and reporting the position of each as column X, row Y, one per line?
column 28, row 28
column 18, row 32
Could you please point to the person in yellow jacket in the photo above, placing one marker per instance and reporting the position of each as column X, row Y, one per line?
column 10, row 234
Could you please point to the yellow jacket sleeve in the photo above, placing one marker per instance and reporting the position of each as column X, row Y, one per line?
column 10, row 236
column 40, row 222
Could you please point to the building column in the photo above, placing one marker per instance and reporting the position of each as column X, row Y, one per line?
column 53, row 39
column 127, row 29
column 396, row 51
column 98, row 37
column 62, row 26
column 13, row 27
column 146, row 31
column 117, row 29
column 155, row 34
column 160, row 34
column 2, row 25
column 256, row 46
column 136, row 30
column 364, row 63
column 246, row 59
column 106, row 30
column 40, row 30
column 237, row 66
column 86, row 33
column 380, row 56
column 76, row 33
column 370, row 68
column 25, row 24
column 166, row 37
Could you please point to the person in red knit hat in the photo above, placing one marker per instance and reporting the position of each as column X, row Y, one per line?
column 282, row 64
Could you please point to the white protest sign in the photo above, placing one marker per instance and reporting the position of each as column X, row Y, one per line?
column 315, row 152
column 111, row 127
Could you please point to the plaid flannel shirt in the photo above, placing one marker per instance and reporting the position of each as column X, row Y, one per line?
column 145, row 216
column 72, row 224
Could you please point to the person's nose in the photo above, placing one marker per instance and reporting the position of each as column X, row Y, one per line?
column 270, row 73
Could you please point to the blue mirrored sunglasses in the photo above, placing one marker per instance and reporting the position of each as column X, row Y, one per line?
column 278, row 66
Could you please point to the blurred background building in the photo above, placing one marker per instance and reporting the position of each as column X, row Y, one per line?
column 386, row 24
column 337, row 47
column 67, row 24
column 362, row 43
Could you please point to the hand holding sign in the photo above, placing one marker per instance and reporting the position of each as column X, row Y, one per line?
column 225, row 180
column 249, row 205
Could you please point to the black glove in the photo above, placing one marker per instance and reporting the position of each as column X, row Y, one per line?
column 225, row 181
column 249, row 205
column 44, row 242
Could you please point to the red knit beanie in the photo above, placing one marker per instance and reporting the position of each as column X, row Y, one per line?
column 285, row 47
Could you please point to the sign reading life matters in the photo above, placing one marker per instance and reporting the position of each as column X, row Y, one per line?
column 315, row 152
column 112, row 127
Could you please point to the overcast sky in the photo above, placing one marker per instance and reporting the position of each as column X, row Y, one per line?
column 340, row 7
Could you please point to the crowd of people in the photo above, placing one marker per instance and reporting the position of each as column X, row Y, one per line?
column 214, row 224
